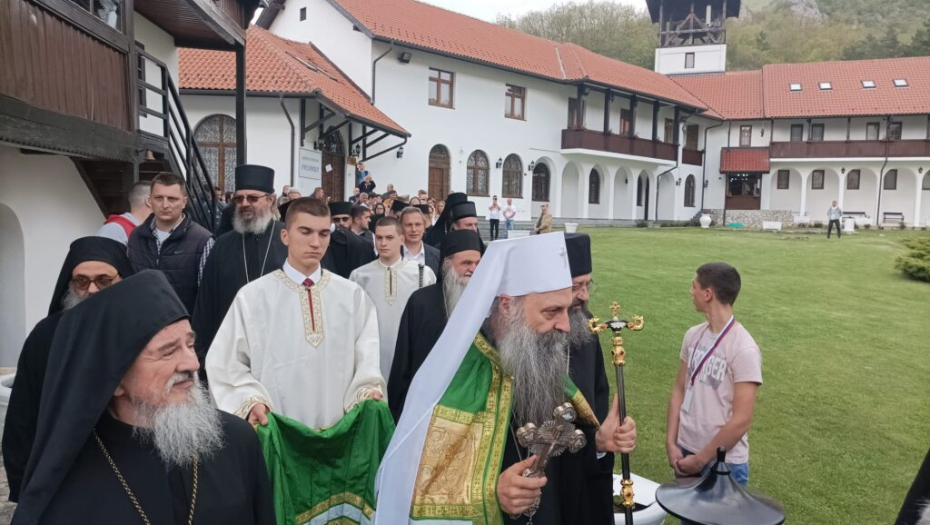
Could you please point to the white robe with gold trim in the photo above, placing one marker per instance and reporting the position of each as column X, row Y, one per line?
column 308, row 360
column 389, row 288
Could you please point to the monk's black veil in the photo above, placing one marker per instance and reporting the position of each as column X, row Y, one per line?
column 95, row 344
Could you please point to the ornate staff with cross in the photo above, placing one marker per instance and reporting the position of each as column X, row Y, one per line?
column 548, row 441
column 616, row 325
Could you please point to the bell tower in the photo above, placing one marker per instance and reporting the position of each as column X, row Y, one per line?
column 692, row 35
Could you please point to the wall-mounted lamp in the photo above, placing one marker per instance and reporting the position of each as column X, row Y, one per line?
column 626, row 180
column 920, row 169
column 843, row 170
column 706, row 183
column 404, row 57
column 500, row 162
column 400, row 152
column 532, row 166
column 316, row 145
column 358, row 150
column 678, row 182
column 762, row 134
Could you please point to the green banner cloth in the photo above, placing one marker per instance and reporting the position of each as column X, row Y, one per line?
column 328, row 475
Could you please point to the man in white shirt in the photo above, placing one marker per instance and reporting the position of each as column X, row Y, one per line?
column 510, row 211
column 301, row 341
column 389, row 281
column 834, row 214
column 414, row 249
column 494, row 217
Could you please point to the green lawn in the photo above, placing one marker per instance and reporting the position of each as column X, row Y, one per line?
column 843, row 419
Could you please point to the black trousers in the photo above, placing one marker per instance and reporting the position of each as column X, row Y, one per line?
column 495, row 228
column 830, row 228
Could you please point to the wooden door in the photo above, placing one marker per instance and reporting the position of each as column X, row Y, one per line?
column 439, row 172
column 334, row 176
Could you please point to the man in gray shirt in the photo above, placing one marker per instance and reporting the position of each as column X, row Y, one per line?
column 834, row 214
column 119, row 227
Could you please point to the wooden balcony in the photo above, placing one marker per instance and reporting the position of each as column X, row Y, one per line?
column 694, row 157
column 612, row 143
column 850, row 148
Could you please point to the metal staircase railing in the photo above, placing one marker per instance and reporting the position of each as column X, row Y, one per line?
column 169, row 124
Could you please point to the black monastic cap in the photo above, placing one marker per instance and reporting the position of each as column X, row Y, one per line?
column 398, row 206
column 86, row 249
column 255, row 177
column 340, row 208
column 460, row 241
column 579, row 253
column 463, row 210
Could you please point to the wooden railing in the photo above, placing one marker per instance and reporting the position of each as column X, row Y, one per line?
column 609, row 142
column 693, row 157
column 176, row 131
column 850, row 148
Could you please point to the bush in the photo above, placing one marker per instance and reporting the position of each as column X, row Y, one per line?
column 817, row 224
column 867, row 226
column 916, row 262
column 902, row 225
column 641, row 224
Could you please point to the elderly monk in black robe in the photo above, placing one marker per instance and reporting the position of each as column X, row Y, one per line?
column 427, row 312
column 252, row 249
column 92, row 264
column 127, row 433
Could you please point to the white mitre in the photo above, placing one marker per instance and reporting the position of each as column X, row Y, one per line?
column 514, row 267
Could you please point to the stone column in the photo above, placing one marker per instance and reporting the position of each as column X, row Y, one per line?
column 805, row 174
column 842, row 189
column 917, row 199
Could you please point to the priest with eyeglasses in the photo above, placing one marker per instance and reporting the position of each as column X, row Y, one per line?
column 252, row 249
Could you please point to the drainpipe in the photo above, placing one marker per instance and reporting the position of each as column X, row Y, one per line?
column 291, row 122
column 374, row 70
column 704, row 167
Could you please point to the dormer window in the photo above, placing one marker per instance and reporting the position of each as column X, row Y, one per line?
column 794, row 87
column 900, row 82
column 868, row 84
column 826, row 86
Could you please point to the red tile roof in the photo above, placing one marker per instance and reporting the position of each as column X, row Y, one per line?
column 728, row 96
column 848, row 97
column 276, row 65
column 428, row 27
column 766, row 93
column 744, row 160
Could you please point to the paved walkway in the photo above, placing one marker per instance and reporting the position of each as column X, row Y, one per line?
column 6, row 508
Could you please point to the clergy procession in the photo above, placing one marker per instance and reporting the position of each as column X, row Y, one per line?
column 319, row 363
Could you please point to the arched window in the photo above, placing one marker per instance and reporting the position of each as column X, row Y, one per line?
column 594, row 187
column 639, row 191
column 216, row 139
column 926, row 184
column 513, row 177
column 689, row 192
column 891, row 180
column 476, row 180
column 541, row 183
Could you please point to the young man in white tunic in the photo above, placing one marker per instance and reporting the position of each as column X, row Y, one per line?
column 389, row 281
column 301, row 341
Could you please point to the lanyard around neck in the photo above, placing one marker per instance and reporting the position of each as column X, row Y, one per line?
column 723, row 333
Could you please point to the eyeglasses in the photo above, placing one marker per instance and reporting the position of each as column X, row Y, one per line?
column 82, row 283
column 251, row 198
column 589, row 286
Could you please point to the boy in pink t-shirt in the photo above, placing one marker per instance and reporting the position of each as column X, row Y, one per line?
column 715, row 391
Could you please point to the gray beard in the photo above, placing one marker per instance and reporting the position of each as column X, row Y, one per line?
column 581, row 331
column 255, row 225
column 181, row 432
column 453, row 287
column 71, row 298
column 538, row 364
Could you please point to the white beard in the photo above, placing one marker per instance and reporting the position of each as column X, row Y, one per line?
column 539, row 365
column 925, row 515
column 256, row 225
column 71, row 298
column 453, row 287
column 182, row 432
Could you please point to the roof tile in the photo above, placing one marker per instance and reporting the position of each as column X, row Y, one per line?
column 744, row 160
column 276, row 65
